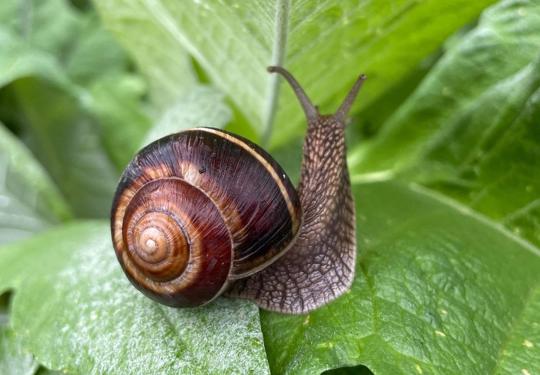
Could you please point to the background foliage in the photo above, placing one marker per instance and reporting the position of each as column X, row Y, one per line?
column 444, row 148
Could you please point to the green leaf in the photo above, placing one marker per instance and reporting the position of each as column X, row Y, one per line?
column 431, row 295
column 13, row 359
column 64, row 138
column 235, row 41
column 31, row 19
column 439, row 289
column 94, row 54
column 152, row 41
column 29, row 201
column 116, row 102
column 203, row 106
column 66, row 46
column 76, row 311
column 18, row 59
column 31, row 42
column 478, row 143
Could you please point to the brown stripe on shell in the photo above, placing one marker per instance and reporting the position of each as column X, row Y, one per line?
column 262, row 193
column 271, row 167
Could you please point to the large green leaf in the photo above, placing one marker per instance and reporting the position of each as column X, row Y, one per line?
column 75, row 310
column 29, row 201
column 439, row 290
column 432, row 295
column 235, row 41
column 479, row 142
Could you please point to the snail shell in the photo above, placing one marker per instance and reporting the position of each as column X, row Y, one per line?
column 198, row 209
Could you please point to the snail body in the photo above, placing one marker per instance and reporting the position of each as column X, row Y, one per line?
column 205, row 212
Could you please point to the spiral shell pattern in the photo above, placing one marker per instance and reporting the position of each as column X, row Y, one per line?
column 198, row 209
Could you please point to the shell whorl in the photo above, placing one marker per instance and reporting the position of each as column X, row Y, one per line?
column 198, row 209
column 157, row 236
column 175, row 244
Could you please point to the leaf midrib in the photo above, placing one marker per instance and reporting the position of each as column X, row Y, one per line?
column 281, row 29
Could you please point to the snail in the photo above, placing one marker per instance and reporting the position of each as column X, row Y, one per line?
column 204, row 212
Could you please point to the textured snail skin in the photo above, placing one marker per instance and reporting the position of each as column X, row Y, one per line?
column 319, row 267
column 197, row 209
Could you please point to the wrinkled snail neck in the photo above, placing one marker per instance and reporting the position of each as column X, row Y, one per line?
column 319, row 265
column 324, row 168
